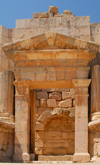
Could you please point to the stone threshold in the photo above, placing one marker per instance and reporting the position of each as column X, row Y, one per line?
column 55, row 158
column 50, row 162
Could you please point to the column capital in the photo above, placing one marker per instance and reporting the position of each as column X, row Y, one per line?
column 22, row 88
column 25, row 83
column 83, row 83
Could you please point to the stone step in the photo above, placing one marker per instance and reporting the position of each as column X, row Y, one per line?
column 55, row 158
column 51, row 162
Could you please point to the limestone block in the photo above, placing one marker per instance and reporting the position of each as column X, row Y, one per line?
column 82, row 21
column 28, row 23
column 42, row 95
column 67, row 12
column 43, row 102
column 55, row 143
column 49, row 152
column 37, row 103
column 95, row 29
column 39, row 126
column 38, row 151
column 66, row 103
column 44, row 116
column 84, row 30
column 57, row 111
column 67, row 95
column 55, row 95
column 44, row 15
column 72, row 92
column 83, row 72
column 35, row 15
column 38, row 142
column 53, row 9
column 60, row 151
column 52, row 135
column 81, row 157
column 20, row 23
column 51, row 103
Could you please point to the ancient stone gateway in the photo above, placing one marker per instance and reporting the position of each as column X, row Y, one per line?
column 47, row 61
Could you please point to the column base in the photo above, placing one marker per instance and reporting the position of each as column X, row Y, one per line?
column 81, row 157
column 25, row 158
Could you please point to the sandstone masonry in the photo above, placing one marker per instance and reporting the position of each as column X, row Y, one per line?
column 47, row 108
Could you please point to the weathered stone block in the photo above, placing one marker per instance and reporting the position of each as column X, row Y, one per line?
column 39, row 126
column 44, row 15
column 55, row 95
column 44, row 116
column 41, row 95
column 67, row 95
column 67, row 12
column 65, row 104
column 51, row 103
column 39, row 150
column 35, row 15
column 53, row 9
column 53, row 135
column 43, row 102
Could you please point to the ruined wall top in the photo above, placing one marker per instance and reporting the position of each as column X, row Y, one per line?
column 53, row 19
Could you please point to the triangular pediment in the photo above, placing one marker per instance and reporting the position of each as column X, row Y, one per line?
column 51, row 40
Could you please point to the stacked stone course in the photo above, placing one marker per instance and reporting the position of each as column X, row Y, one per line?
column 49, row 99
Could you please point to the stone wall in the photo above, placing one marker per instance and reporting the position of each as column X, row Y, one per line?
column 94, row 143
column 49, row 99
column 6, row 144
column 5, row 64
column 55, row 110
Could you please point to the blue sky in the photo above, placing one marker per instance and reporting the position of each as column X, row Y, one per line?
column 10, row 10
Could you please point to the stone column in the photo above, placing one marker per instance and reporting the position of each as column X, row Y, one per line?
column 95, row 92
column 81, row 120
column 22, row 121
column 6, row 92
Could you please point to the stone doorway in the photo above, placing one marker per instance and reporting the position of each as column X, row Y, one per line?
column 54, row 109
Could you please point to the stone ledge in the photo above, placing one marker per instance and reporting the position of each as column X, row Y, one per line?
column 7, row 125
column 94, row 126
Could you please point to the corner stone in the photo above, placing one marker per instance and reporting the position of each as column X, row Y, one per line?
column 81, row 157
